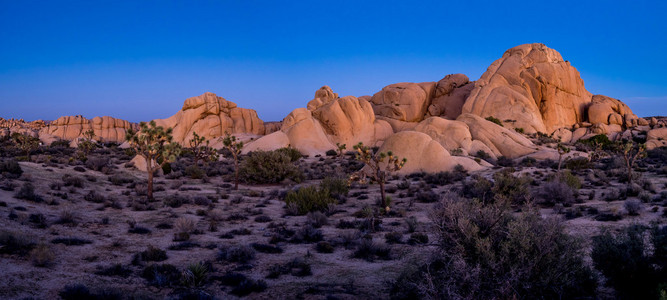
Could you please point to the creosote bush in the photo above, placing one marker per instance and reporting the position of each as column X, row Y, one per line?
column 261, row 167
column 486, row 252
column 633, row 261
column 309, row 199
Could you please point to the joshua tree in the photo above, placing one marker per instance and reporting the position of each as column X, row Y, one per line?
column 631, row 151
column 202, row 151
column 26, row 143
column 234, row 146
column 87, row 144
column 155, row 145
column 381, row 165
column 340, row 148
column 562, row 150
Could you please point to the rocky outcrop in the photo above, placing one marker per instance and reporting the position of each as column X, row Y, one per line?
column 211, row 116
column 610, row 111
column 532, row 86
column 656, row 138
column 404, row 101
column 348, row 120
column 500, row 140
column 424, row 153
column 107, row 129
column 450, row 134
column 450, row 94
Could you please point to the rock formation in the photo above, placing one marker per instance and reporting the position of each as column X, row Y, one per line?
column 107, row 129
column 326, row 122
column 532, row 86
column 211, row 116
column 424, row 153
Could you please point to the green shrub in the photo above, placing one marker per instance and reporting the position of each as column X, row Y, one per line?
column 337, row 187
column 308, row 199
column 578, row 163
column 568, row 178
column 194, row 172
column 290, row 152
column 331, row 152
column 511, row 188
column 269, row 167
column 624, row 258
column 494, row 120
column 601, row 139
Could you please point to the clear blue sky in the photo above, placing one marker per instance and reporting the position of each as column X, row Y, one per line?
column 140, row 60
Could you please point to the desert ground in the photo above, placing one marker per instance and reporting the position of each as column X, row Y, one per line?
column 74, row 225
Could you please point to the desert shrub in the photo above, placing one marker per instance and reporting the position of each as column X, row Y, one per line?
column 411, row 223
column 331, row 152
column 27, row 192
column 176, row 200
column 568, row 178
column 309, row 199
column 80, row 291
column 307, row 234
column 505, row 161
column 117, row 270
column 393, row 237
column 290, row 152
column 266, row 248
column 243, row 285
column 94, row 197
column 38, row 219
column 494, row 120
column 555, row 192
column 624, row 258
column 428, row 196
column 150, row 254
column 578, row 163
column 161, row 275
column 269, row 167
column 42, row 256
column 13, row 243
column 71, row 241
column 482, row 155
column 194, row 172
column 10, row 169
column 370, row 251
column 508, row 187
column 70, row 180
column 487, row 252
column 98, row 163
column 118, row 179
column 418, row 238
column 337, row 187
column 296, row 267
column 601, row 139
column 478, row 187
column 528, row 162
column 241, row 254
column 324, row 247
column 317, row 219
column 632, row 206
column 443, row 178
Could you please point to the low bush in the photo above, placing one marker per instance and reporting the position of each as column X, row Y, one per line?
column 161, row 275
column 309, row 199
column 150, row 254
column 263, row 167
column 27, row 192
column 555, row 192
column 13, row 243
column 488, row 252
column 370, row 251
column 42, row 256
column 241, row 254
column 71, row 241
column 494, row 120
column 10, row 168
column 624, row 258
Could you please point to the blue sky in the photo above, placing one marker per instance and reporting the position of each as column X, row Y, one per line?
column 139, row 60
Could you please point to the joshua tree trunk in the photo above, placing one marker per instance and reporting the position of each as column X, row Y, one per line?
column 380, row 176
column 150, row 170
column 236, row 173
